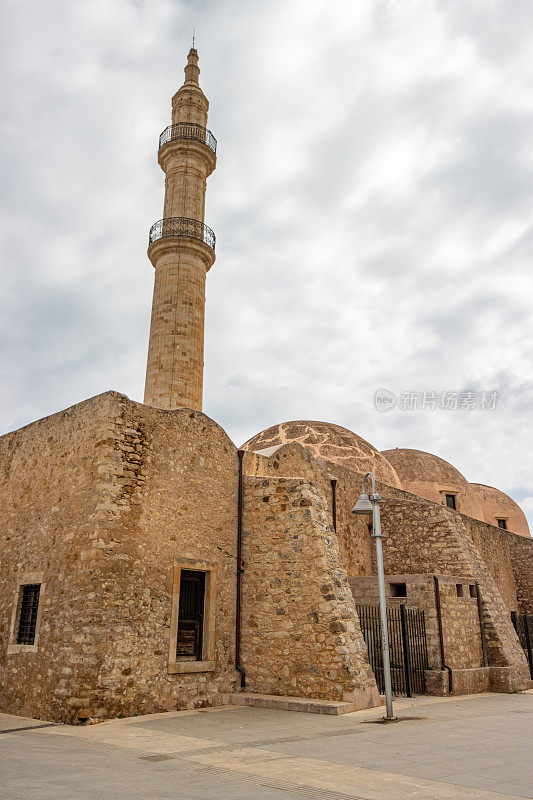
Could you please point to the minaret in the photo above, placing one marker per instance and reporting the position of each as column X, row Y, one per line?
column 182, row 250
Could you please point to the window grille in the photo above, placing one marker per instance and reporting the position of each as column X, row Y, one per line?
column 191, row 614
column 29, row 605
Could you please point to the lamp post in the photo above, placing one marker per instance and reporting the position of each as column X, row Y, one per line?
column 370, row 505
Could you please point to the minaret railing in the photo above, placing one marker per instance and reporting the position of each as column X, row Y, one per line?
column 188, row 130
column 182, row 226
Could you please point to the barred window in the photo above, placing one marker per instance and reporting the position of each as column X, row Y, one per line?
column 27, row 619
column 192, row 618
column 191, row 615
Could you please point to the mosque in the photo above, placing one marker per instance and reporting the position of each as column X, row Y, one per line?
column 149, row 564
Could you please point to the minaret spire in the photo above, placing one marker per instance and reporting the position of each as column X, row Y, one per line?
column 192, row 70
column 181, row 248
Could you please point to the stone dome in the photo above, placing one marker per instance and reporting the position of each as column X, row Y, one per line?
column 432, row 478
column 331, row 442
column 496, row 505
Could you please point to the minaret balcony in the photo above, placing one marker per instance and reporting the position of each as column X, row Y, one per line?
column 188, row 130
column 184, row 227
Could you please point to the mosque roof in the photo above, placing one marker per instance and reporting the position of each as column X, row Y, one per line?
column 331, row 442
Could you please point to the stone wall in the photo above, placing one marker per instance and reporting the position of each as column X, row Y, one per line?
column 100, row 499
column 460, row 624
column 354, row 531
column 419, row 594
column 521, row 554
column 445, row 554
column 494, row 545
column 300, row 631
column 50, row 487
column 289, row 461
column 427, row 538
column 461, row 634
column 294, row 460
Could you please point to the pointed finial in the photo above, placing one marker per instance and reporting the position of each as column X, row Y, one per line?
column 193, row 32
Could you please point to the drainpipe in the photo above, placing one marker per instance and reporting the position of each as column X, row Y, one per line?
column 238, row 666
column 481, row 625
column 444, row 665
column 334, row 502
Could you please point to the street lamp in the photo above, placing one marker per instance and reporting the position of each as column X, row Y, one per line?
column 370, row 505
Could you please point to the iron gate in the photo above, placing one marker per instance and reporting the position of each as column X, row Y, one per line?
column 523, row 625
column 407, row 643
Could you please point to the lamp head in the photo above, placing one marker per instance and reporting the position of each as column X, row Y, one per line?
column 363, row 505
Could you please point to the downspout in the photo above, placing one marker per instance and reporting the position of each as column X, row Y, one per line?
column 444, row 665
column 482, row 625
column 334, row 502
column 238, row 665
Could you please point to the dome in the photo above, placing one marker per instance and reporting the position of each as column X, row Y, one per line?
column 432, row 478
column 497, row 505
column 331, row 442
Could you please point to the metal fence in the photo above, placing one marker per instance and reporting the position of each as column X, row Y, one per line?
column 523, row 625
column 408, row 649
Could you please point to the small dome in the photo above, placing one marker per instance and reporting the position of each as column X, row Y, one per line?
column 432, row 478
column 497, row 505
column 331, row 442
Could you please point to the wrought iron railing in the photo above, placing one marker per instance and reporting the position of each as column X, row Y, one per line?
column 182, row 226
column 188, row 130
column 407, row 643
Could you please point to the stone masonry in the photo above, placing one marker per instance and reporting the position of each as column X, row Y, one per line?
column 301, row 634
column 99, row 503
column 99, row 500
column 418, row 552
column 461, row 634
column 429, row 538
column 521, row 552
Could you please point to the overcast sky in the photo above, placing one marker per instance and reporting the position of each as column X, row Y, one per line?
column 372, row 204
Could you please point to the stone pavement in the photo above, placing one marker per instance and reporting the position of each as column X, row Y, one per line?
column 475, row 748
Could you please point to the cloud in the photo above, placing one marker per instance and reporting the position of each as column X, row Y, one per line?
column 372, row 205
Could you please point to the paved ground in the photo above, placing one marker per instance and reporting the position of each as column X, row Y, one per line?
column 476, row 748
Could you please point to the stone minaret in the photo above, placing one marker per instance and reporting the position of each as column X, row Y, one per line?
column 182, row 250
